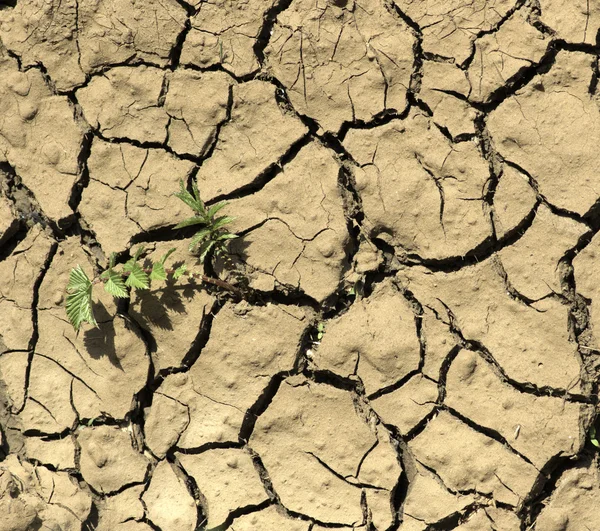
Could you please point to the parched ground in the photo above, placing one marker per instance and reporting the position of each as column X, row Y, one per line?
column 416, row 185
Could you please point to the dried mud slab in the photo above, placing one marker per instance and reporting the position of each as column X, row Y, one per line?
column 341, row 61
column 294, row 228
column 108, row 460
column 254, row 139
column 313, row 471
column 587, row 281
column 269, row 519
column 247, row 348
column 475, row 300
column 120, row 511
column 18, row 276
column 573, row 503
column 72, row 38
column 450, row 28
column 225, row 33
column 35, row 496
column 468, row 461
column 419, row 191
column 501, row 55
column 131, row 191
column 169, row 504
column 375, row 340
column 547, row 128
column 48, row 164
column 490, row 519
column 576, row 21
column 538, row 427
column 228, row 482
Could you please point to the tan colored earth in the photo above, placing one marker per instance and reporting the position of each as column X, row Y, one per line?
column 415, row 340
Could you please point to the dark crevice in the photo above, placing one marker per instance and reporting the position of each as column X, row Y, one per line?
column 269, row 19
column 195, row 492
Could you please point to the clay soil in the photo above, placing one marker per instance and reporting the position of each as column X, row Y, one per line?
column 416, row 187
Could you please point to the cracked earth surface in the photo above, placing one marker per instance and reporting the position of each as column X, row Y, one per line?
column 416, row 186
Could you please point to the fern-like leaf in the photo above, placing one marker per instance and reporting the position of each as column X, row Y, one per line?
column 79, row 299
column 114, row 284
column 220, row 222
column 191, row 221
column 205, row 248
column 137, row 278
column 179, row 271
column 198, row 238
column 215, row 208
column 158, row 272
column 195, row 203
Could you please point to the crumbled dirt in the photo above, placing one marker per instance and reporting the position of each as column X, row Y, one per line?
column 410, row 341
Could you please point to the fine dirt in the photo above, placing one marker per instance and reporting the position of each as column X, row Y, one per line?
column 416, row 186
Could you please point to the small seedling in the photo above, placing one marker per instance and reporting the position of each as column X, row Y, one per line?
column 212, row 239
column 320, row 330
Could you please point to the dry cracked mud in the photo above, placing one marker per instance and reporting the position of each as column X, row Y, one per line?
column 416, row 187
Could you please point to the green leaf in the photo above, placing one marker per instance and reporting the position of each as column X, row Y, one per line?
column 137, row 278
column 158, row 272
column 79, row 299
column 197, row 196
column 219, row 222
column 593, row 438
column 215, row 208
column 191, row 221
column 139, row 252
column 204, row 249
column 196, row 203
column 167, row 254
column 198, row 237
column 179, row 271
column 113, row 258
column 114, row 284
column 226, row 236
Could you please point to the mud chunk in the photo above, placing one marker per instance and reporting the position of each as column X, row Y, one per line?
column 113, row 31
column 466, row 460
column 297, row 440
column 256, row 136
column 419, row 191
column 31, row 496
column 376, row 340
column 225, row 33
column 227, row 480
column 48, row 407
column 578, row 21
column 499, row 56
column 514, row 200
column 109, row 363
column 490, row 519
column 298, row 227
column 439, row 84
column 45, row 32
column 170, row 505
column 587, row 279
column 47, row 163
column 108, row 459
column 269, row 519
column 531, row 263
column 197, row 104
column 548, row 128
column 449, row 28
column 243, row 354
column 130, row 191
column 115, row 512
column 538, row 427
column 483, row 311
column 164, row 422
column 409, row 405
column 124, row 103
column 13, row 369
column 574, row 501
column 341, row 64
column 441, row 503
column 175, row 313
column 59, row 453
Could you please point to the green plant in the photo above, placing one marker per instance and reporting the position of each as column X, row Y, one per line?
column 593, row 438
column 212, row 238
